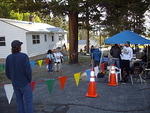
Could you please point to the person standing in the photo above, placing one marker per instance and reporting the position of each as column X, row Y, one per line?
column 91, row 50
column 58, row 59
column 18, row 70
column 115, row 52
column 96, row 56
column 126, row 57
column 50, row 57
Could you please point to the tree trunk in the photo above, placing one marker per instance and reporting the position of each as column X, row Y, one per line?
column 100, row 37
column 87, row 27
column 73, row 37
column 88, row 41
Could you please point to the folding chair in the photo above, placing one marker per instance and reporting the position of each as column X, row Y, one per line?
column 118, row 72
column 146, row 71
column 137, row 73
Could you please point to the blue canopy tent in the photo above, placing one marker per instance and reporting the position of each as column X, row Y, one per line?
column 124, row 36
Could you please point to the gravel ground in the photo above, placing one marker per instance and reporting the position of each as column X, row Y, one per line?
column 120, row 99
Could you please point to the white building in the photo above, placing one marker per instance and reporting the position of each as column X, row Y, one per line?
column 37, row 38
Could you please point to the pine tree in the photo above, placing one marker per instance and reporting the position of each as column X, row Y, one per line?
column 125, row 14
column 71, row 8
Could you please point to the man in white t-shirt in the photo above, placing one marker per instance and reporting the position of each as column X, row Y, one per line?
column 126, row 57
column 58, row 57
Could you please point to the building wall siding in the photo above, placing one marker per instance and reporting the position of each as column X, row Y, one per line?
column 36, row 49
column 11, row 33
column 43, row 46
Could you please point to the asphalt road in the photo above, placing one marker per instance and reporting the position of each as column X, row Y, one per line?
column 125, row 98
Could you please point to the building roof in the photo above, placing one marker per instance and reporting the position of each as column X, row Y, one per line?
column 33, row 26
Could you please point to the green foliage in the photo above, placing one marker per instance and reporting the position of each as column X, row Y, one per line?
column 125, row 14
column 5, row 8
column 6, row 11
column 119, row 14
column 82, row 34
column 37, row 19
column 26, row 16
column 57, row 21
column 15, row 15
column 23, row 16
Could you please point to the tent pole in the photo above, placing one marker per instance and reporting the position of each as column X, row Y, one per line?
column 101, row 55
column 101, row 58
column 147, row 55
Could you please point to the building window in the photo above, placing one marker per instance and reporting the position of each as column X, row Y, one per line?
column 35, row 39
column 2, row 41
column 61, row 37
column 45, row 38
column 52, row 38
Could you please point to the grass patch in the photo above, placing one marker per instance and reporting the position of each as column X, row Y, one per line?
column 83, row 59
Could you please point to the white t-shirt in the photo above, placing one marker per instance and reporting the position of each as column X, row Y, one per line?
column 127, row 53
column 58, row 57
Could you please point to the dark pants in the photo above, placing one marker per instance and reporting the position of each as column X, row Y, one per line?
column 96, row 63
column 116, row 62
column 50, row 67
column 125, row 69
column 24, row 99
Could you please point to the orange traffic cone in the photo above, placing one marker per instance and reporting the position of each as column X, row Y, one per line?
column 92, row 86
column 112, row 79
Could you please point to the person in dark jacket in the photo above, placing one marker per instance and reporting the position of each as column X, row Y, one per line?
column 18, row 70
column 96, row 56
column 115, row 52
